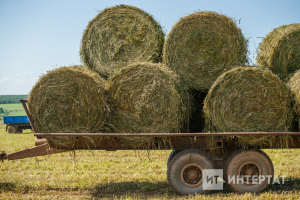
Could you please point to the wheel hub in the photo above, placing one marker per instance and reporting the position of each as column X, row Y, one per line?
column 191, row 175
column 249, row 171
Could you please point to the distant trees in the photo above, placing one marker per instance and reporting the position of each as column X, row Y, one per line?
column 6, row 99
column 3, row 112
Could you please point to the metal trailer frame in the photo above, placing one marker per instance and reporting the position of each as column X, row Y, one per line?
column 220, row 156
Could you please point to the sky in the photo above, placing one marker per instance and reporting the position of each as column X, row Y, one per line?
column 37, row 36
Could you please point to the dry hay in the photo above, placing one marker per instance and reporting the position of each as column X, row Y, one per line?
column 119, row 36
column 294, row 86
column 68, row 100
column 248, row 99
column 280, row 51
column 147, row 98
column 203, row 45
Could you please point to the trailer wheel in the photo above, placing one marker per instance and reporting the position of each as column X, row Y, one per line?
column 11, row 129
column 185, row 171
column 172, row 154
column 249, row 166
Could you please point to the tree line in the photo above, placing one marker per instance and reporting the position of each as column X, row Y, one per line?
column 6, row 99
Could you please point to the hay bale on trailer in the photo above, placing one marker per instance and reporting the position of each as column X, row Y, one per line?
column 248, row 99
column 280, row 51
column 68, row 100
column 147, row 98
column 294, row 86
column 119, row 36
column 202, row 46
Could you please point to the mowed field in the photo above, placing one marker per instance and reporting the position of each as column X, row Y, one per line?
column 116, row 175
column 14, row 109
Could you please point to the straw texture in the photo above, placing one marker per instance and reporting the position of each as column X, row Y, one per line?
column 202, row 46
column 248, row 99
column 68, row 100
column 147, row 98
column 119, row 36
column 294, row 86
column 280, row 51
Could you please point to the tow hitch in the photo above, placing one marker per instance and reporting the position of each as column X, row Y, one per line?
column 2, row 155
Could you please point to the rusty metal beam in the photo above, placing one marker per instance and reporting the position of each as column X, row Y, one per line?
column 40, row 150
column 161, row 134
column 23, row 101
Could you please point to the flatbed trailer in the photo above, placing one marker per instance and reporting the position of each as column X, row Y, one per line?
column 192, row 154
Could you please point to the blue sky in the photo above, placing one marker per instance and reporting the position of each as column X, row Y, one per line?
column 36, row 36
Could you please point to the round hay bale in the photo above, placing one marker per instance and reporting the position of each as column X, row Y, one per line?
column 68, row 100
column 119, row 36
column 280, row 51
column 248, row 99
column 147, row 98
column 294, row 86
column 202, row 46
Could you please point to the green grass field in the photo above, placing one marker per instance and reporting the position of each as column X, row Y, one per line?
column 116, row 175
column 13, row 106
column 15, row 109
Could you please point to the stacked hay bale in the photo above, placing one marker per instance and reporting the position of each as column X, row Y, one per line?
column 248, row 99
column 202, row 46
column 202, row 49
column 119, row 36
column 68, row 100
column 280, row 51
column 147, row 98
column 294, row 85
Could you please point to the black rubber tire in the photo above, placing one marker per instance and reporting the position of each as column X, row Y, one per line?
column 180, row 161
column 256, row 157
column 11, row 129
column 172, row 154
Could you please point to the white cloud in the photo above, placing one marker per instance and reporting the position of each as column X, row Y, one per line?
column 27, row 80
column 19, row 80
column 27, row 72
column 4, row 80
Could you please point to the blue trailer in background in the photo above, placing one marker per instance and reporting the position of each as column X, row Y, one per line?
column 16, row 124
